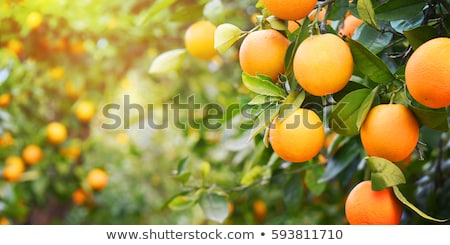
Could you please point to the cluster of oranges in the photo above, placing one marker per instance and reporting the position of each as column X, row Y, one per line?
column 323, row 65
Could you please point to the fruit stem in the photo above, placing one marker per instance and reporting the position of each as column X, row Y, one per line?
column 323, row 23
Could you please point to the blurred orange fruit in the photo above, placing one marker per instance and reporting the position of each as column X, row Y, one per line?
column 32, row 154
column 79, row 197
column 299, row 137
column 290, row 10
column 4, row 221
column 5, row 99
column 323, row 64
column 15, row 46
column 263, row 52
column 97, row 179
column 427, row 73
column 85, row 111
column 72, row 152
column 56, row 133
column 259, row 211
column 34, row 20
column 74, row 90
column 365, row 206
column 390, row 131
column 14, row 167
column 6, row 139
column 199, row 40
column 57, row 72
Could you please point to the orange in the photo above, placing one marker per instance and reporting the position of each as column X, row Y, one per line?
column 32, row 154
column 34, row 20
column 77, row 47
column 14, row 167
column 427, row 73
column 6, row 139
column 85, row 111
column 323, row 64
column 390, row 131
column 72, row 152
column 56, row 73
column 79, row 197
column 293, row 26
column 290, row 10
column 5, row 99
column 199, row 40
column 263, row 52
column 56, row 133
column 97, row 179
column 365, row 206
column 15, row 46
column 4, row 221
column 259, row 211
column 299, row 137
column 74, row 90
column 349, row 26
column 322, row 13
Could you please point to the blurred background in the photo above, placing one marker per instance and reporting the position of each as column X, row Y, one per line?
column 68, row 61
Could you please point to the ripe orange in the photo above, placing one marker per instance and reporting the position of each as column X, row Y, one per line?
column 290, row 10
column 77, row 47
column 427, row 73
column 199, row 40
column 299, row 137
column 14, row 167
column 4, row 221
column 6, row 139
column 74, row 90
column 5, row 99
column 56, row 133
column 79, row 197
column 85, row 111
column 365, row 206
column 292, row 26
column 56, row 73
column 349, row 26
column 32, row 154
column 322, row 13
column 390, row 131
column 15, row 46
column 34, row 20
column 97, row 179
column 259, row 211
column 323, row 64
column 71, row 152
column 263, row 52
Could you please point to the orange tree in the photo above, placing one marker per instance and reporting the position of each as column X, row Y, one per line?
column 374, row 73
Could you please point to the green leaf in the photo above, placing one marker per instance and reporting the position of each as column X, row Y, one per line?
column 338, row 10
column 156, row 7
column 403, row 199
column 344, row 115
column 182, row 173
column 294, row 100
column 347, row 154
column 372, row 39
column 399, row 9
column 214, row 11
column 292, row 192
column 261, row 85
column 366, row 12
column 182, row 202
column 384, row 173
column 214, row 206
column 420, row 35
column 276, row 23
column 366, row 106
column 262, row 99
column 351, row 86
column 436, row 119
column 225, row 36
column 264, row 120
column 370, row 64
column 312, row 177
column 167, row 62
